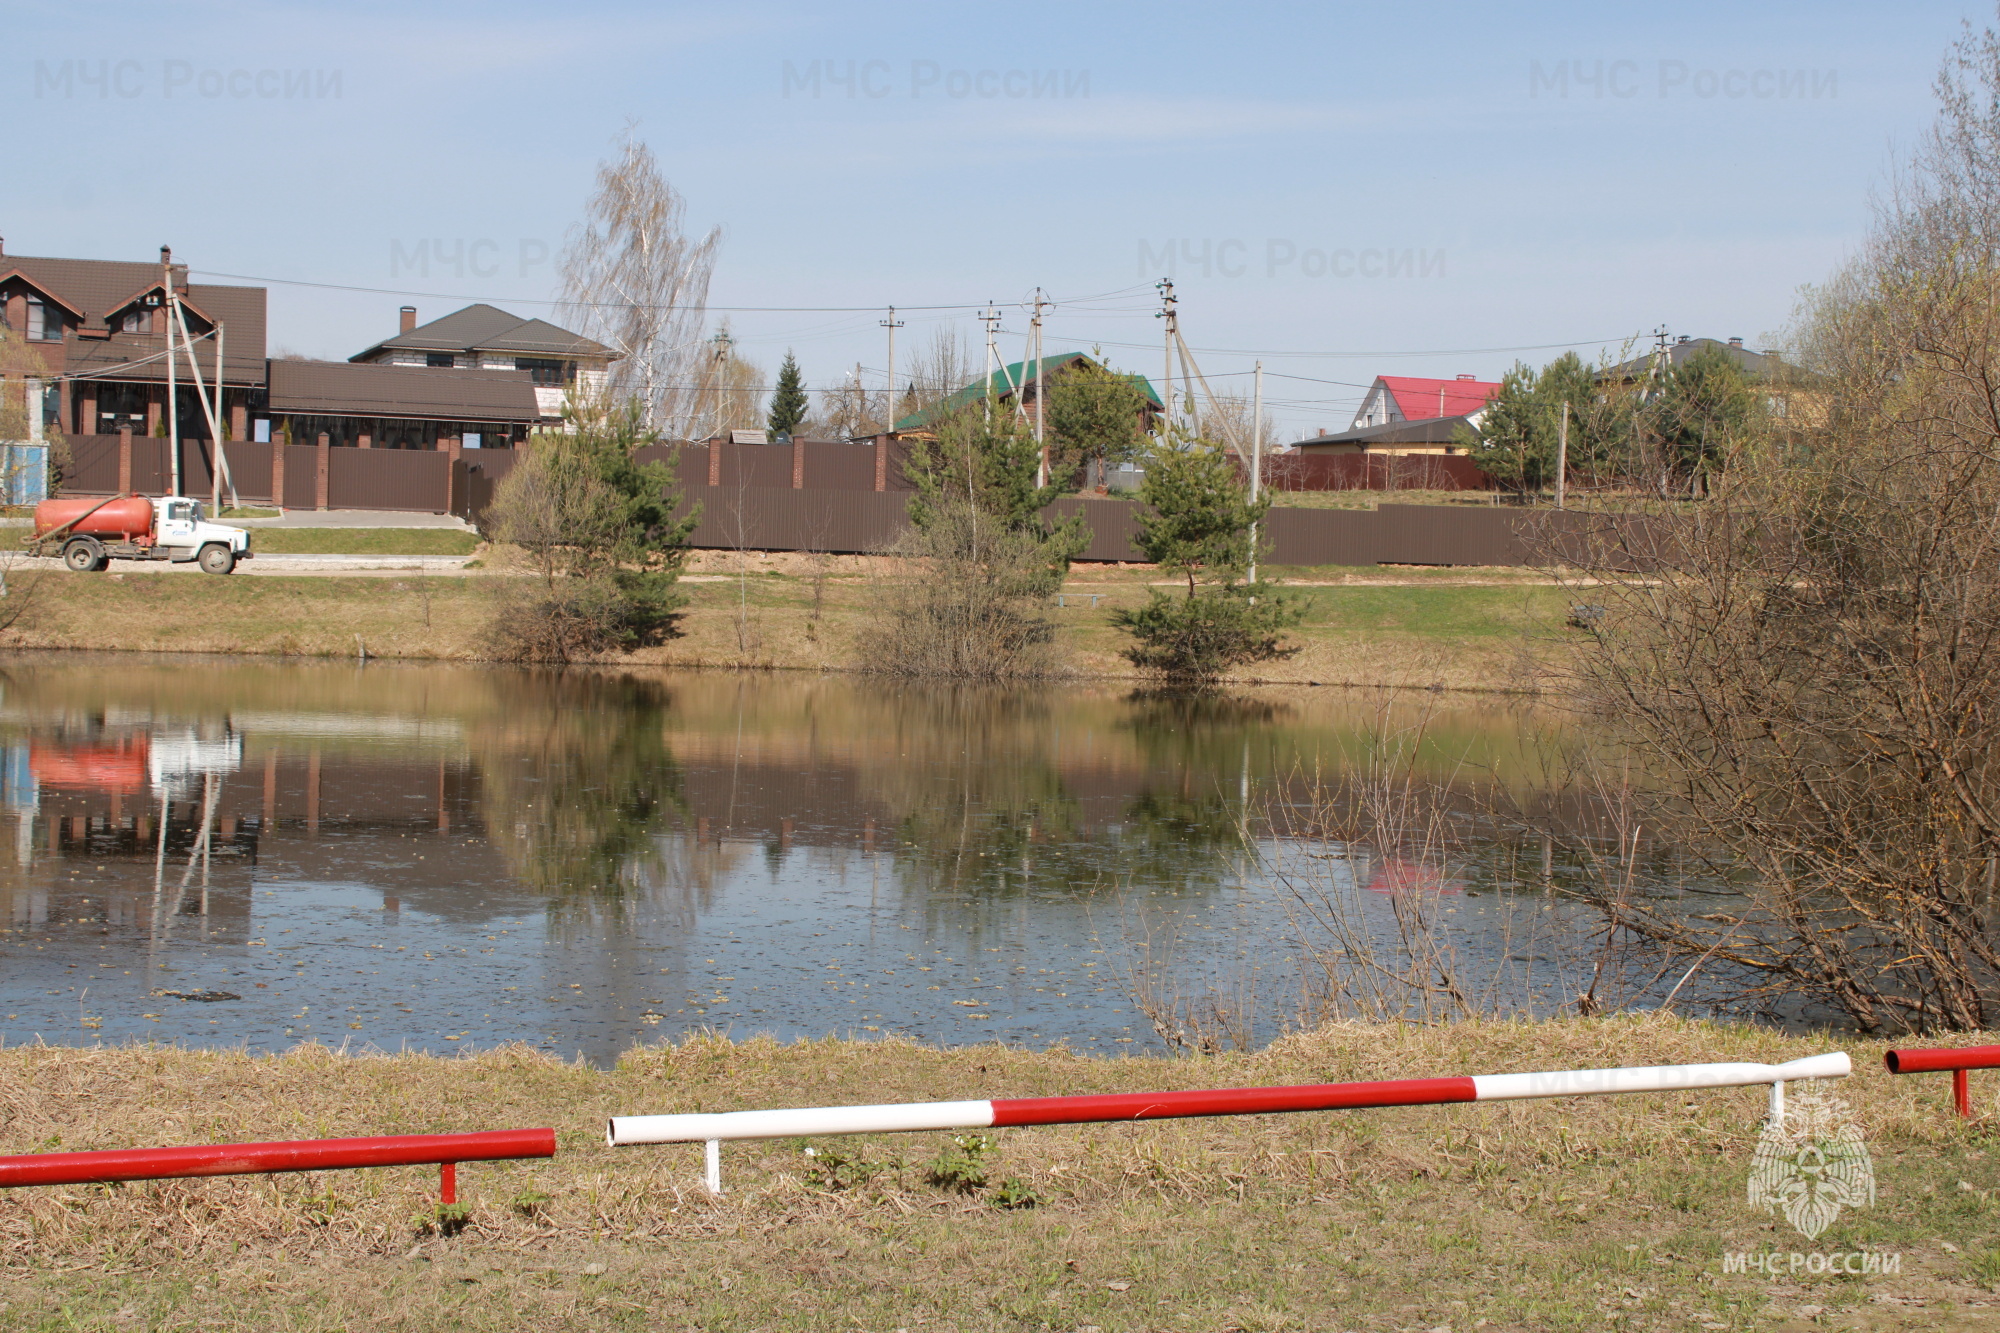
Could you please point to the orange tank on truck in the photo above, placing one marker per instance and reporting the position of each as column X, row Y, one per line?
column 127, row 519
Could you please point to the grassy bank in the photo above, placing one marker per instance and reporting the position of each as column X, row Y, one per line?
column 1369, row 627
column 1581, row 1214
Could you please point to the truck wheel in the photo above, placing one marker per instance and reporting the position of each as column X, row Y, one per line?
column 85, row 556
column 216, row 559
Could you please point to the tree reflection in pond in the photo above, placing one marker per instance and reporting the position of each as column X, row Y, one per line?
column 995, row 807
column 579, row 784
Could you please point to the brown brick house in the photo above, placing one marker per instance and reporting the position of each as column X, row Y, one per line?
column 401, row 407
column 99, row 328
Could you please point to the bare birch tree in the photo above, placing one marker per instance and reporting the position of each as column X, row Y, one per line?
column 635, row 281
column 847, row 412
column 941, row 367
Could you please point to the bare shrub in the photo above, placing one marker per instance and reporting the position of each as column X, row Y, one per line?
column 1812, row 665
column 979, row 561
column 563, row 623
column 970, row 603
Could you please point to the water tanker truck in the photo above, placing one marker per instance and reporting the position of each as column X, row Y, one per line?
column 92, row 533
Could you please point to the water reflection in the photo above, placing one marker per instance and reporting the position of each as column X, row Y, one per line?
column 422, row 856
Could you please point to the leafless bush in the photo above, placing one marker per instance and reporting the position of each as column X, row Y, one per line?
column 1812, row 667
column 970, row 601
column 1203, row 1018
column 564, row 623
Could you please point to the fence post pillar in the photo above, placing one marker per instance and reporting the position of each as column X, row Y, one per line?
column 277, row 469
column 881, row 462
column 124, row 460
column 715, row 461
column 325, row 459
column 798, row 465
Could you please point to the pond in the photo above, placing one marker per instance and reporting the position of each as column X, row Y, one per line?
column 222, row 852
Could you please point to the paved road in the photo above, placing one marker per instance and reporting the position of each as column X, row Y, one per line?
column 289, row 565
column 330, row 518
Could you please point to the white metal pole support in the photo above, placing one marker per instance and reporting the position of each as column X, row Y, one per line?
column 713, row 1161
column 1777, row 1103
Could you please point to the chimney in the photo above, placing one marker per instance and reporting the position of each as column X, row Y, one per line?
column 3, row 245
column 1683, row 338
column 409, row 318
column 1737, row 343
column 1468, row 377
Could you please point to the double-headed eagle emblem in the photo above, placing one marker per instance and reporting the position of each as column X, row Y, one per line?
column 1812, row 1164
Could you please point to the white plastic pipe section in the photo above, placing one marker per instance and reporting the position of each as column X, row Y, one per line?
column 801, row 1122
column 1657, row 1078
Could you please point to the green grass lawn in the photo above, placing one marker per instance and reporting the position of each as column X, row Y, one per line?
column 1440, row 612
column 363, row 541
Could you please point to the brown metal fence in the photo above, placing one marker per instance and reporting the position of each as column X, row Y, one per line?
column 783, row 517
column 1373, row 472
column 410, row 480
column 823, row 496
column 418, row 481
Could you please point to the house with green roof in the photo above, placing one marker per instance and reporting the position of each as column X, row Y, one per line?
column 1020, row 382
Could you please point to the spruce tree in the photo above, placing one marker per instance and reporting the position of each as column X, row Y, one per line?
column 788, row 403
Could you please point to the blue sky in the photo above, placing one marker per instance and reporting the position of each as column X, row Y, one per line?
column 1347, row 190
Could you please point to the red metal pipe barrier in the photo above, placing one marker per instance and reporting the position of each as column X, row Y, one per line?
column 1936, row 1060
column 241, row 1159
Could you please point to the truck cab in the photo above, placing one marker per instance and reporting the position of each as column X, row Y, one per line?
column 183, row 530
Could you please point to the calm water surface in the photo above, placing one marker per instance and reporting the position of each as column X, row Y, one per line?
column 441, row 857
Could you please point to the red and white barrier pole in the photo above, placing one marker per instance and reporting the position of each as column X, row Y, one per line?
column 1957, row 1059
column 712, row 1127
column 239, row 1159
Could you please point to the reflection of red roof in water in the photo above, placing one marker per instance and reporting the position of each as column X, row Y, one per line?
column 118, row 766
column 1409, row 877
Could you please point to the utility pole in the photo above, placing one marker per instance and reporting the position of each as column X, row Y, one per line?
column 718, row 361
column 173, row 389
column 1165, row 286
column 1041, row 445
column 891, row 324
column 1562, row 454
column 219, row 461
column 1256, row 458
column 990, row 317
column 221, row 453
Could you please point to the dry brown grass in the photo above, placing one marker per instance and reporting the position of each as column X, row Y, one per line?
column 1411, row 629
column 1574, row 1214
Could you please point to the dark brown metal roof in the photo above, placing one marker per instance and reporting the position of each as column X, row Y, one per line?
column 100, row 288
column 485, row 328
column 347, row 389
column 1427, row 430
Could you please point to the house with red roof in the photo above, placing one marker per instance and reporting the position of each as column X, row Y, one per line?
column 1394, row 398
column 1407, row 414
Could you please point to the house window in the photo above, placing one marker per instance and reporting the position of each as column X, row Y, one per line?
column 543, row 370
column 136, row 321
column 440, row 360
column 43, row 326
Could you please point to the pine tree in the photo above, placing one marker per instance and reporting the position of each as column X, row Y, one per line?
column 1096, row 417
column 788, row 403
column 1199, row 527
